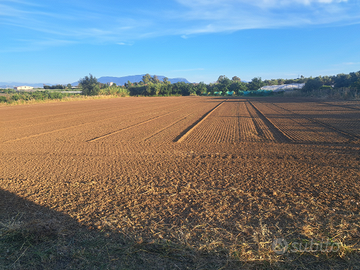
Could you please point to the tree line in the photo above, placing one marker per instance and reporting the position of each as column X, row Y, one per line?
column 351, row 81
column 58, row 86
column 152, row 86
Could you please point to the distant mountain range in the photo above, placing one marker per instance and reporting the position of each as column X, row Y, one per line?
column 117, row 80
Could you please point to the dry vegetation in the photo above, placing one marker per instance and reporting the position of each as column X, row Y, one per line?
column 179, row 183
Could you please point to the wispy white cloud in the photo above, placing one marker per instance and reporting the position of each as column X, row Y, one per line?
column 81, row 22
column 262, row 3
column 124, row 44
column 20, row 2
column 347, row 64
column 351, row 63
column 232, row 15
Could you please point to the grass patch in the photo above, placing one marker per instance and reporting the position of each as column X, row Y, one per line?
column 64, row 99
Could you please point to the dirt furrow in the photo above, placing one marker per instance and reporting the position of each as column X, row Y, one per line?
column 183, row 135
column 278, row 133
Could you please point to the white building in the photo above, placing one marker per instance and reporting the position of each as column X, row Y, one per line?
column 23, row 88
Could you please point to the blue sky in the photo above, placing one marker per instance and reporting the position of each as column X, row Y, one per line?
column 61, row 41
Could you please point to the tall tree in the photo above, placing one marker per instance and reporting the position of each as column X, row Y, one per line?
column 312, row 84
column 155, row 79
column 128, row 84
column 201, row 89
column 166, row 80
column 238, row 86
column 89, row 85
column 222, row 79
column 224, row 83
column 256, row 83
column 356, row 84
column 280, row 81
column 146, row 78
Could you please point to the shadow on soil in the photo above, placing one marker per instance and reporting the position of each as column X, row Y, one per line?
column 36, row 237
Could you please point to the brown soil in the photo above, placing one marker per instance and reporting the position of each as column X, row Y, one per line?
column 235, row 177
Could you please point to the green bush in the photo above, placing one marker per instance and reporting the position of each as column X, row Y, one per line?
column 55, row 95
column 25, row 96
column 39, row 95
column 15, row 97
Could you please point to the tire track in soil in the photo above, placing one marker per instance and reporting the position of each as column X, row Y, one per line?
column 301, row 134
column 76, row 126
column 61, row 129
column 267, row 135
column 72, row 118
column 128, row 127
column 341, row 106
column 44, row 133
column 277, row 133
column 71, row 110
column 259, row 131
column 350, row 136
column 183, row 135
column 246, row 129
column 238, row 130
column 164, row 128
column 97, row 111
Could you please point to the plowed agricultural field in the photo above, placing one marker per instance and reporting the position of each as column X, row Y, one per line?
column 214, row 174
